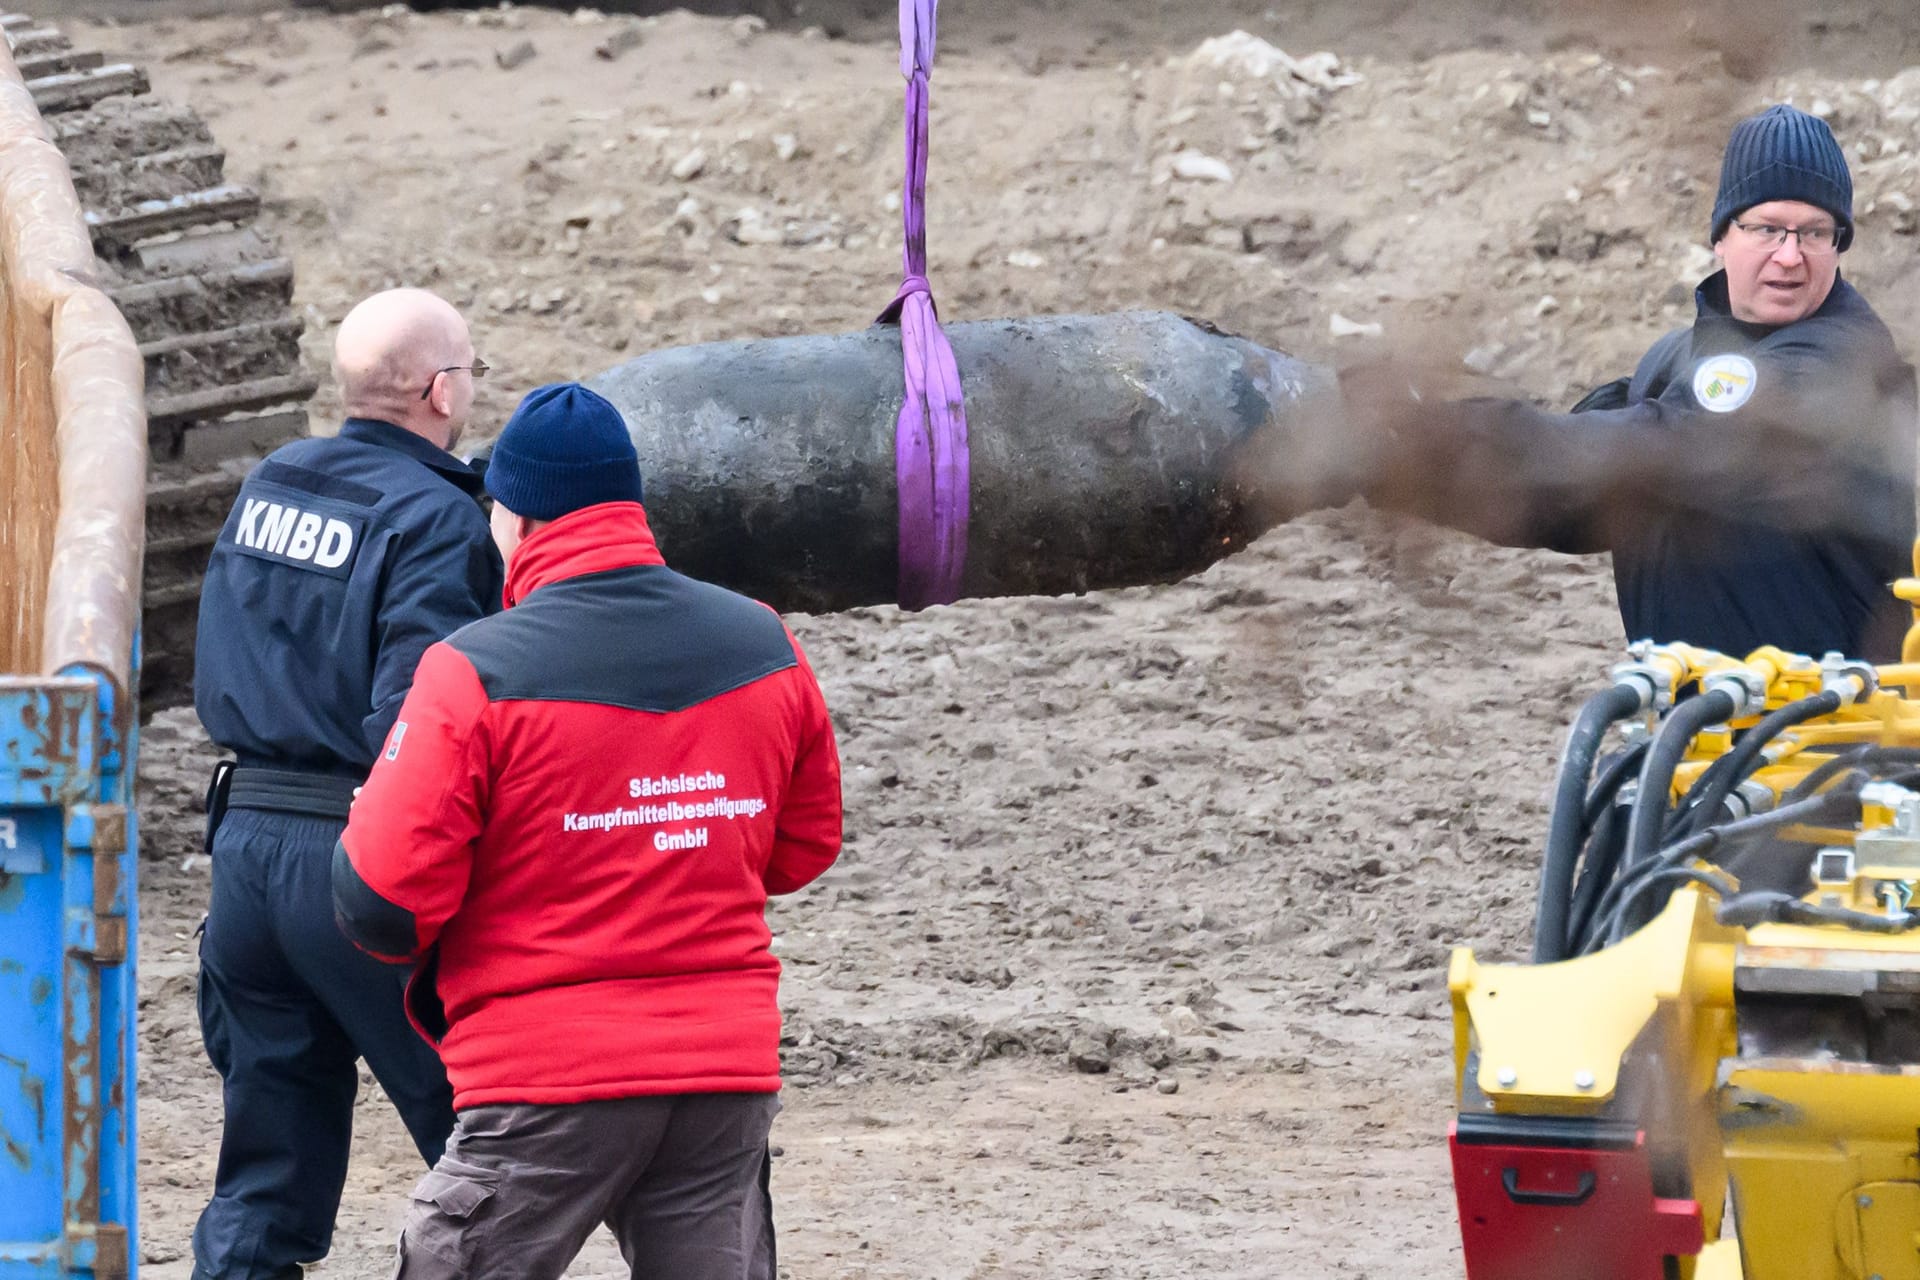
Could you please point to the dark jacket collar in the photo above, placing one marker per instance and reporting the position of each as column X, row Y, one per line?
column 1712, row 306
column 387, row 435
column 608, row 535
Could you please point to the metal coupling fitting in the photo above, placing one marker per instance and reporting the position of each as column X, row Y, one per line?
column 1902, row 803
column 1648, row 683
column 1851, row 678
column 1749, row 798
column 1746, row 687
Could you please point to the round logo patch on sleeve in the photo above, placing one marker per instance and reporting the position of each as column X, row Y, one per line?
column 1723, row 383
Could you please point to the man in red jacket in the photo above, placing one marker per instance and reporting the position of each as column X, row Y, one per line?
column 574, row 827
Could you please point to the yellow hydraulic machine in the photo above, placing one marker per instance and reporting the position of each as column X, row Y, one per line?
column 1711, row 1070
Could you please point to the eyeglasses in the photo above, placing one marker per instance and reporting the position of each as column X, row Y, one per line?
column 478, row 369
column 1812, row 239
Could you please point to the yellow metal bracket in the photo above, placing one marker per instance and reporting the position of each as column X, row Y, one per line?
column 1551, row 1036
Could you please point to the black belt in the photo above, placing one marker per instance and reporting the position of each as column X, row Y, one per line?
column 311, row 795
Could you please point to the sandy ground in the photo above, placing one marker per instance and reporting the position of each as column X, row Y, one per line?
column 1216, row 837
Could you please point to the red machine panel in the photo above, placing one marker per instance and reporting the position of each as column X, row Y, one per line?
column 1570, row 1212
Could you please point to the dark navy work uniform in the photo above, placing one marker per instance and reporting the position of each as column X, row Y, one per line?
column 1748, row 567
column 341, row 562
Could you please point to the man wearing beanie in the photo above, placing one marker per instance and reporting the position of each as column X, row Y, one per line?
column 1754, row 477
column 575, row 826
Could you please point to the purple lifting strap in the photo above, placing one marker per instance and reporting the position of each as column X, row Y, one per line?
column 930, row 452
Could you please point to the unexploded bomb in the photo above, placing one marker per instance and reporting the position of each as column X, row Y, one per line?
column 1106, row 451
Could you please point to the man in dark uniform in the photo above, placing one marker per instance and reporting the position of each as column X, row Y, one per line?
column 342, row 561
column 1754, row 478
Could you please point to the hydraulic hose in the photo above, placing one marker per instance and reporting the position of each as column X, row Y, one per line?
column 1767, row 907
column 1863, row 757
column 1664, row 875
column 1612, row 777
column 1670, row 745
column 1603, row 858
column 1603, row 834
column 1565, row 828
column 1739, row 761
column 1611, row 918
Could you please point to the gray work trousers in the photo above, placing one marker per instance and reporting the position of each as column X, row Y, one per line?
column 681, row 1181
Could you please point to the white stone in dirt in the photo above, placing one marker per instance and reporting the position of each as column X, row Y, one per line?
column 690, row 165
column 503, row 16
column 1240, row 53
column 1181, row 1020
column 1483, row 359
column 786, row 146
column 619, row 41
column 750, row 226
column 515, row 55
column 1197, row 166
column 1341, row 327
column 1026, row 259
column 1699, row 263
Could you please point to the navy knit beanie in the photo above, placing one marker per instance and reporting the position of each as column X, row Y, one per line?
column 1784, row 154
column 564, row 448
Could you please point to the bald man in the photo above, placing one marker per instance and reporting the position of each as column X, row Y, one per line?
column 342, row 561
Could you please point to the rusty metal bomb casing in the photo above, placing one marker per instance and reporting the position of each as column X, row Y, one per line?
column 1107, row 451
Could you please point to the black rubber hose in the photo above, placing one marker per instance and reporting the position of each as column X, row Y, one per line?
column 1596, row 874
column 1552, row 908
column 1821, row 773
column 1613, row 775
column 1739, row 762
column 1748, row 909
column 1603, row 836
column 1617, row 921
column 1670, row 743
column 1864, row 756
column 1683, row 813
column 1611, row 920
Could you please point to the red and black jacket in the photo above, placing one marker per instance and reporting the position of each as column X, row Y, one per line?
column 580, row 813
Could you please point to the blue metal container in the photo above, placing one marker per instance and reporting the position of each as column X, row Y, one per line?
column 67, row 996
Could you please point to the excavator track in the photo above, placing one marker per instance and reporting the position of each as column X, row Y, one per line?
column 209, row 298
